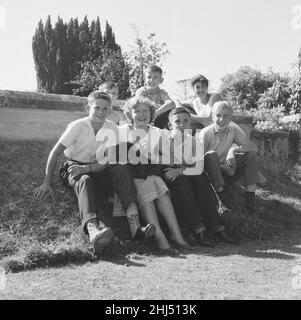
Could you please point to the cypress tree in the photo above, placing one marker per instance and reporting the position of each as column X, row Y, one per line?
column 40, row 56
column 84, row 40
column 62, row 75
column 109, row 38
column 96, row 39
column 76, row 57
column 51, row 55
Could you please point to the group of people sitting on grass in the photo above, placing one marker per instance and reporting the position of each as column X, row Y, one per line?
column 151, row 161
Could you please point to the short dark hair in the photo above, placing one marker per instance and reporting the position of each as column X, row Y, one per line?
column 199, row 78
column 155, row 69
column 98, row 95
column 178, row 110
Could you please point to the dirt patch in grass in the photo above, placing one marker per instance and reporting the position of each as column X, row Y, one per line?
column 47, row 233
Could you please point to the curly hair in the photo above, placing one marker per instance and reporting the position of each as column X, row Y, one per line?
column 132, row 104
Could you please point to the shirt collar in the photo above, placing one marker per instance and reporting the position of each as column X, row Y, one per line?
column 225, row 131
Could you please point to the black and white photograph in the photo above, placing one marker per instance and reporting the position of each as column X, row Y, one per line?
column 150, row 153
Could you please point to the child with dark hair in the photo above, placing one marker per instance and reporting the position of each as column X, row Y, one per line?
column 202, row 102
column 193, row 198
column 152, row 91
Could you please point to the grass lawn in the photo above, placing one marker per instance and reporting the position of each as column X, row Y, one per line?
column 42, row 233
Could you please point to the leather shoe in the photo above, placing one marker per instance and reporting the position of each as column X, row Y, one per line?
column 145, row 232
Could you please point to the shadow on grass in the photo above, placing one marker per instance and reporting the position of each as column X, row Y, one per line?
column 36, row 234
column 42, row 258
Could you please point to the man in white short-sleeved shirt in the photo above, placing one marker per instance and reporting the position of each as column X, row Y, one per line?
column 81, row 142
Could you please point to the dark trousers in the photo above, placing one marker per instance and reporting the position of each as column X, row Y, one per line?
column 162, row 120
column 115, row 178
column 246, row 168
column 195, row 202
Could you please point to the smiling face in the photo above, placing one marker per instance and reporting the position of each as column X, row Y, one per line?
column 141, row 115
column 179, row 122
column 153, row 79
column 200, row 89
column 99, row 110
column 222, row 118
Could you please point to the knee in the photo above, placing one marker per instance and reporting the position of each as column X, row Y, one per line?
column 119, row 169
column 211, row 156
column 85, row 181
column 251, row 157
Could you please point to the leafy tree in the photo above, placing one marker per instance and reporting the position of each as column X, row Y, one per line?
column 146, row 51
column 111, row 67
column 243, row 88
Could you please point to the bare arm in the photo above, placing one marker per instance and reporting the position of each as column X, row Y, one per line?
column 50, row 168
column 203, row 120
column 168, row 105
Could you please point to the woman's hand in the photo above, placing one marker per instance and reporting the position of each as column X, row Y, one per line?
column 42, row 190
column 171, row 174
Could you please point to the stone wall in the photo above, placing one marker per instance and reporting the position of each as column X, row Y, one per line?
column 30, row 115
column 34, row 100
column 278, row 152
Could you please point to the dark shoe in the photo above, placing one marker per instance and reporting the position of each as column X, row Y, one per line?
column 203, row 241
column 145, row 232
column 168, row 252
column 222, row 235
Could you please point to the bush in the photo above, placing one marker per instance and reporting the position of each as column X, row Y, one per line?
column 243, row 88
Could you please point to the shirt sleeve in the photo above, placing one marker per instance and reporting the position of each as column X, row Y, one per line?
column 69, row 136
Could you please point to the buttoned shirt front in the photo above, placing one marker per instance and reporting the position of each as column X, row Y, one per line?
column 81, row 142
